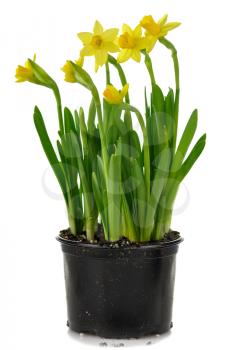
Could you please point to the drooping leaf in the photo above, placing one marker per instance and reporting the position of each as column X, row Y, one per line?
column 49, row 150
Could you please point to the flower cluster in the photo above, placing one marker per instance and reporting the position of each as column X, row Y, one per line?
column 128, row 44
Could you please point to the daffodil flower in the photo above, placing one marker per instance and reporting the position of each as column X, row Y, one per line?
column 69, row 70
column 156, row 30
column 35, row 74
column 131, row 42
column 25, row 73
column 114, row 96
column 99, row 43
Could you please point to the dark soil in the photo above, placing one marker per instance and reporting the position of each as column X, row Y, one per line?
column 122, row 242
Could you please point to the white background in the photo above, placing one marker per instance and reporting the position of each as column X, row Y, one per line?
column 32, row 301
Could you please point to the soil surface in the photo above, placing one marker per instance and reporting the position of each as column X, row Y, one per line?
column 122, row 242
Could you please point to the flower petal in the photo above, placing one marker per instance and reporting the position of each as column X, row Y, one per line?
column 163, row 20
column 125, row 90
column 97, row 29
column 80, row 61
column 136, row 55
column 142, row 43
column 85, row 37
column 124, row 55
column 151, row 41
column 87, row 51
column 110, row 34
column 127, row 29
column 112, row 95
column 170, row 26
column 138, row 31
column 111, row 47
column 101, row 57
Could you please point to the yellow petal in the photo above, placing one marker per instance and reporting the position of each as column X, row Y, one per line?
column 111, row 47
column 125, row 90
column 170, row 26
column 150, row 25
column 110, row 34
column 112, row 95
column 97, row 29
column 87, row 51
column 138, row 31
column 142, row 43
column 127, row 29
column 85, row 37
column 151, row 41
column 101, row 57
column 80, row 61
column 163, row 20
column 124, row 55
column 136, row 55
column 69, row 73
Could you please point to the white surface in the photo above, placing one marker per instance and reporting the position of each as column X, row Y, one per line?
column 32, row 302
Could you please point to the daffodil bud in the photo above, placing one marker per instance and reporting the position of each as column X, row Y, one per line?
column 41, row 76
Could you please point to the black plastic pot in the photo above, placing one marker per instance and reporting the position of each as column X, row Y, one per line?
column 122, row 292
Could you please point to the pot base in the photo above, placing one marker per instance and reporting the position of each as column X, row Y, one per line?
column 123, row 335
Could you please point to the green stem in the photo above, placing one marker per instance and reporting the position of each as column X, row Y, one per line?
column 59, row 111
column 107, row 73
column 101, row 131
column 171, row 47
column 121, row 74
column 90, row 226
column 123, row 80
column 126, row 106
column 148, row 63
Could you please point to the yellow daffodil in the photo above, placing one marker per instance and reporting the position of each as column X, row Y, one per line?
column 114, row 96
column 131, row 43
column 69, row 70
column 25, row 73
column 156, row 30
column 99, row 43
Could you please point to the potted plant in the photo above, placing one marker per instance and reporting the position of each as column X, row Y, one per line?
column 119, row 185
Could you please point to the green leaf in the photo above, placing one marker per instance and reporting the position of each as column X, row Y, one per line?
column 49, row 150
column 174, row 181
column 127, row 221
column 158, row 185
column 157, row 98
column 114, row 197
column 185, row 141
column 169, row 116
column 91, row 118
column 191, row 159
column 69, row 123
column 147, row 109
column 135, row 147
column 84, row 132
column 140, row 193
column 101, row 203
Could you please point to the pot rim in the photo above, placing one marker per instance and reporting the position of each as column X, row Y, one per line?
column 154, row 245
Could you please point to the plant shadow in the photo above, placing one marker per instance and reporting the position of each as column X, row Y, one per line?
column 92, row 340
